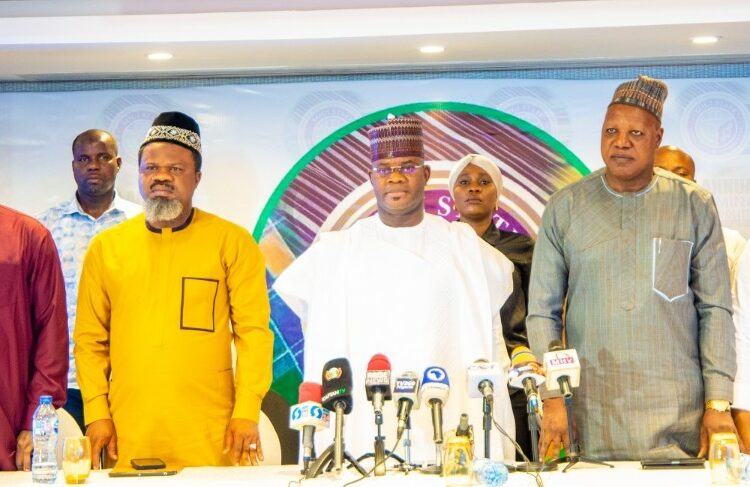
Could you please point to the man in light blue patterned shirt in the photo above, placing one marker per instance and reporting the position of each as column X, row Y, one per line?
column 73, row 223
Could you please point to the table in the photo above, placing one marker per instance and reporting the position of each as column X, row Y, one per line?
column 625, row 474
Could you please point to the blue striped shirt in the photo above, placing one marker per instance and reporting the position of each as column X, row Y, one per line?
column 72, row 229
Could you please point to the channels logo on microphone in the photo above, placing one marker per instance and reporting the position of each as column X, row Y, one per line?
column 378, row 377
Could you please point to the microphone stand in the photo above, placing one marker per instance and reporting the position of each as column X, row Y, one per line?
column 380, row 452
column 379, row 446
column 334, row 455
column 534, row 429
column 574, row 452
column 437, row 426
column 406, row 465
column 308, row 460
column 487, row 424
column 534, row 465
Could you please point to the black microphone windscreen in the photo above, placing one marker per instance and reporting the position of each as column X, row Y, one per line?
column 555, row 345
column 337, row 384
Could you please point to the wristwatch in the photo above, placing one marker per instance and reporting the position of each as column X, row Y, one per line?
column 721, row 405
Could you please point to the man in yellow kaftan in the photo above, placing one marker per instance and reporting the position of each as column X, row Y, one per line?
column 153, row 336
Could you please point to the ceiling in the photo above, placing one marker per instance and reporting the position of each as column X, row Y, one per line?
column 107, row 39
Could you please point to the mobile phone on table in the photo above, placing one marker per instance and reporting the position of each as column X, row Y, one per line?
column 673, row 463
column 145, row 467
column 147, row 463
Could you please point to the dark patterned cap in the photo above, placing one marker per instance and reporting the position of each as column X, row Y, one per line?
column 177, row 128
column 397, row 137
column 644, row 92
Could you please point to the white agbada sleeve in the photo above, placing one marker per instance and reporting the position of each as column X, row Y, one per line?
column 293, row 285
column 310, row 286
column 742, row 332
column 498, row 270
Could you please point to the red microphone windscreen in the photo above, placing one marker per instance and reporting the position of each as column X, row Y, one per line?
column 379, row 362
column 310, row 391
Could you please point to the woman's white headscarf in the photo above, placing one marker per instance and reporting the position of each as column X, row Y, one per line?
column 481, row 161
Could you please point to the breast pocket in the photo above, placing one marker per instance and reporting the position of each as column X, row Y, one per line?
column 198, row 303
column 671, row 267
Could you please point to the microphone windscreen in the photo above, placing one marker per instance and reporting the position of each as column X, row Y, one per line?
column 521, row 355
column 337, row 384
column 379, row 362
column 555, row 345
column 310, row 391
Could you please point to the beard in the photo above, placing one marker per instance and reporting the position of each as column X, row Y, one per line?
column 162, row 210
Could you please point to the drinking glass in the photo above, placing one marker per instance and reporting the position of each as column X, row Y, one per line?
column 724, row 459
column 76, row 459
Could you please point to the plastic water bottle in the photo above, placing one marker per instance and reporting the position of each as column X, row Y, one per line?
column 44, row 433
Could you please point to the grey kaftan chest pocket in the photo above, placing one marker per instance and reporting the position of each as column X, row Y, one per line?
column 198, row 304
column 671, row 267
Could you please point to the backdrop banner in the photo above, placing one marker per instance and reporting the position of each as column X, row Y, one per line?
column 290, row 160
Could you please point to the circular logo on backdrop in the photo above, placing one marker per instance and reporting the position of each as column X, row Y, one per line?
column 536, row 105
column 715, row 119
column 318, row 115
column 129, row 118
column 328, row 189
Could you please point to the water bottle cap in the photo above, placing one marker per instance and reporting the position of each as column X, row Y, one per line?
column 45, row 399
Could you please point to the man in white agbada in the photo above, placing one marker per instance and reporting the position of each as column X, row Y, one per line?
column 411, row 286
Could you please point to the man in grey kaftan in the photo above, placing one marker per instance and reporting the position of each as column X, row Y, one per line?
column 639, row 253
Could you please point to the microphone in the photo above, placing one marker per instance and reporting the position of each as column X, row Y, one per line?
column 405, row 394
column 563, row 369
column 435, row 388
column 378, row 384
column 481, row 377
column 526, row 373
column 337, row 386
column 337, row 396
column 307, row 416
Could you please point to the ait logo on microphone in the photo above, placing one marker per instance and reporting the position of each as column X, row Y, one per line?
column 332, row 373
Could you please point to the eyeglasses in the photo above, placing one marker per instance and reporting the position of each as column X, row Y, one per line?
column 407, row 169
